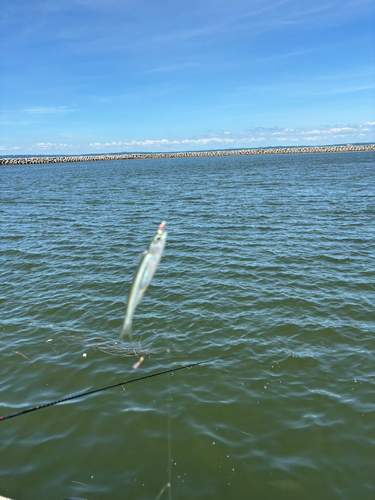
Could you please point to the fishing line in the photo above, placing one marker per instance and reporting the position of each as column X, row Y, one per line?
column 94, row 391
column 168, row 484
column 170, row 438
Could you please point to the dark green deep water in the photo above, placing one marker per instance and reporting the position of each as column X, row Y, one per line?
column 268, row 258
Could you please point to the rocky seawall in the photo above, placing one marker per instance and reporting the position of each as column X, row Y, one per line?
column 190, row 154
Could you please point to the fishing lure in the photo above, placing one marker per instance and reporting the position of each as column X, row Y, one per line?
column 143, row 276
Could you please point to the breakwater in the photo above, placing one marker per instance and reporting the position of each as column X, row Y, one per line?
column 188, row 154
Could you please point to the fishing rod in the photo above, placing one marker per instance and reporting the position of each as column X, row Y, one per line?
column 87, row 393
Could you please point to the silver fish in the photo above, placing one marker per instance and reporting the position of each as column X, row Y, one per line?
column 145, row 272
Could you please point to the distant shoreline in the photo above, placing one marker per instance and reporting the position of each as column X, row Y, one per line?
column 190, row 154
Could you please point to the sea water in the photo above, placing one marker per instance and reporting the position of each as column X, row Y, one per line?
column 269, row 260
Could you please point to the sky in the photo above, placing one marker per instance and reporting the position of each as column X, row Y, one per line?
column 107, row 76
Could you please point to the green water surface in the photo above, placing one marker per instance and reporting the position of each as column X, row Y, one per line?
column 268, row 259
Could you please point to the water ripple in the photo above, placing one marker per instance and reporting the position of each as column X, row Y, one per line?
column 268, row 259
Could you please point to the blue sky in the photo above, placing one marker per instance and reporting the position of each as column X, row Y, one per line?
column 81, row 76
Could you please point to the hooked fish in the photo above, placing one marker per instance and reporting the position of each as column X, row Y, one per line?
column 143, row 276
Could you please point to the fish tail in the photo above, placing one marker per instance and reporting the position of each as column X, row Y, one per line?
column 126, row 329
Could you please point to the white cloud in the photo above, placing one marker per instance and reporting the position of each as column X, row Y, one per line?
column 40, row 110
column 254, row 136
column 208, row 140
column 289, row 132
column 313, row 132
column 162, row 142
column 51, row 145
column 219, row 140
column 148, row 142
column 285, row 131
column 330, row 131
column 342, row 129
column 202, row 141
column 173, row 67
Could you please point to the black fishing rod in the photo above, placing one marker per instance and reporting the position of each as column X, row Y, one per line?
column 87, row 393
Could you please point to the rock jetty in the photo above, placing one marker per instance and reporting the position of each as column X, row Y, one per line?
column 189, row 154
